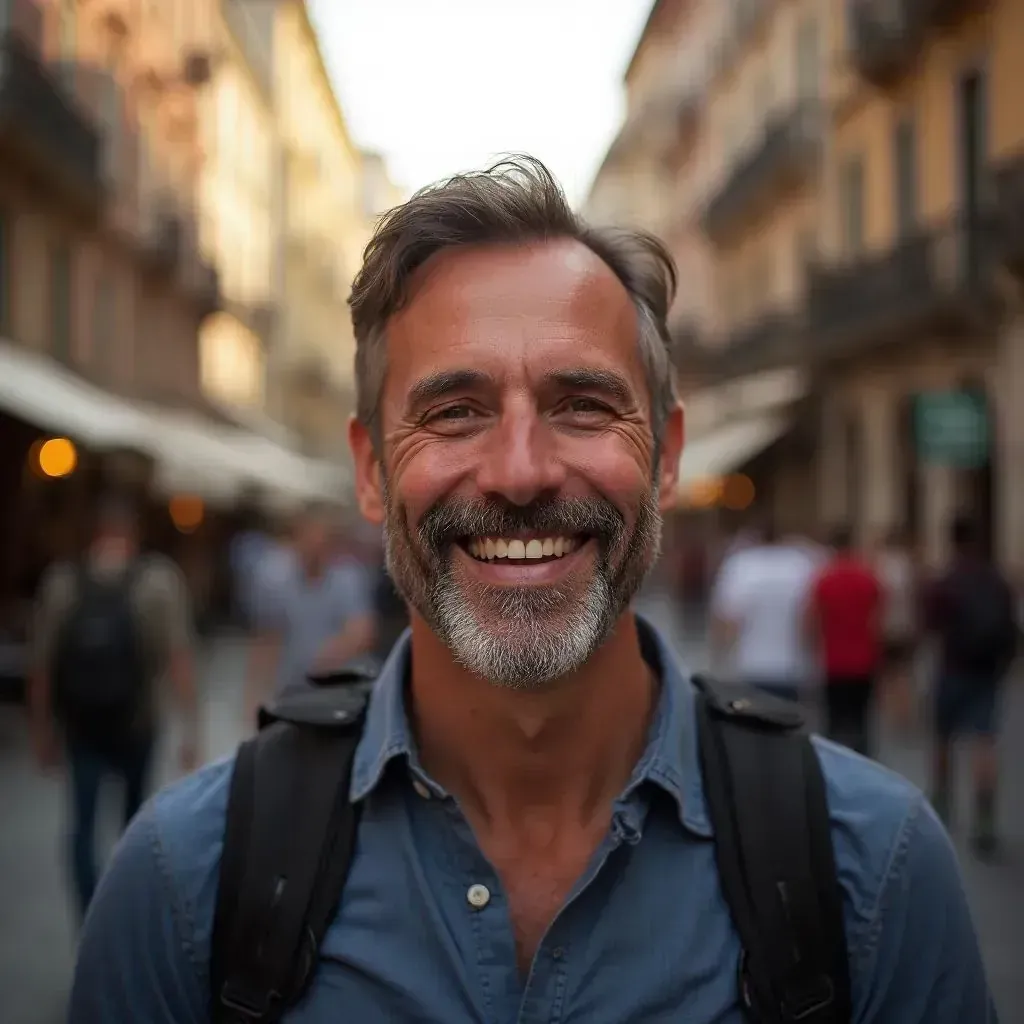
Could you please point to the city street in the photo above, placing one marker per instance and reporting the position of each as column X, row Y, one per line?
column 36, row 942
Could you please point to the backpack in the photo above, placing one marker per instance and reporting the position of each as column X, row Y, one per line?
column 981, row 626
column 99, row 667
column 290, row 835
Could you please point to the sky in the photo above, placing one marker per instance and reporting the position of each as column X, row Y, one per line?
column 442, row 86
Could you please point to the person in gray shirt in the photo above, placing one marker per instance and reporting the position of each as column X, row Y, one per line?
column 314, row 612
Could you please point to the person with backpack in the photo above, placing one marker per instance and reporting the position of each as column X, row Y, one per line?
column 107, row 629
column 972, row 612
column 532, row 812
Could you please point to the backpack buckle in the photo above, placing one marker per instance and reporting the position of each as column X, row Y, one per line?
column 248, row 1006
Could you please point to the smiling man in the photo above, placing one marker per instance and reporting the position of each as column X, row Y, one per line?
column 534, row 842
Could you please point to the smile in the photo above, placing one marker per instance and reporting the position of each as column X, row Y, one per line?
column 521, row 549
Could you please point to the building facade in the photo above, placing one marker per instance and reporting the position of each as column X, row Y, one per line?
column 327, row 185
column 239, row 188
column 103, row 283
column 104, row 272
column 845, row 202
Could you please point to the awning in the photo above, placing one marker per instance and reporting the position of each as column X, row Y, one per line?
column 40, row 391
column 729, row 447
column 198, row 456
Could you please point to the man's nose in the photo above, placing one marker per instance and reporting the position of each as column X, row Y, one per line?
column 520, row 463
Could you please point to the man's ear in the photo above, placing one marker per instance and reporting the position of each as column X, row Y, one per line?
column 369, row 479
column 671, row 452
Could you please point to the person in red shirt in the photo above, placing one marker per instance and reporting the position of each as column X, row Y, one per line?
column 845, row 609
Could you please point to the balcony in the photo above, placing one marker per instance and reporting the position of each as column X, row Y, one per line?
column 787, row 156
column 43, row 134
column 768, row 341
column 937, row 281
column 886, row 36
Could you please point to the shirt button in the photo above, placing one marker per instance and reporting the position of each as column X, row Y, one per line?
column 421, row 790
column 558, row 953
column 478, row 896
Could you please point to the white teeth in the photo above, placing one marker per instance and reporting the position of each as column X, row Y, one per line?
column 516, row 549
column 490, row 548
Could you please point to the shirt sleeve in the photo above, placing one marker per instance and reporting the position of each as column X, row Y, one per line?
column 926, row 965
column 135, row 962
column 173, row 607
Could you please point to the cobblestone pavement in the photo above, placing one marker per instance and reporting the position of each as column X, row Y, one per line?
column 36, row 938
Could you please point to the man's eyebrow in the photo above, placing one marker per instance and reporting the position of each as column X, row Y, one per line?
column 440, row 385
column 608, row 382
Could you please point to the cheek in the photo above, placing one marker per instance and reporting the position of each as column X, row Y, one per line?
column 613, row 468
column 424, row 480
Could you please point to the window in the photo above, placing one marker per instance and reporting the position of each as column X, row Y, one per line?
column 851, row 199
column 60, row 301
column 808, row 59
column 904, row 148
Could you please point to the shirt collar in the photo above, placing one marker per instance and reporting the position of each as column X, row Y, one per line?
column 670, row 760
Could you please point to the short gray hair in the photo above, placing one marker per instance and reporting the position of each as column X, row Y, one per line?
column 517, row 201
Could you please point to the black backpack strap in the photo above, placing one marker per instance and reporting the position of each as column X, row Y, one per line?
column 766, row 796
column 288, row 843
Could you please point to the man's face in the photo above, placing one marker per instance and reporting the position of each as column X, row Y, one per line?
column 518, row 480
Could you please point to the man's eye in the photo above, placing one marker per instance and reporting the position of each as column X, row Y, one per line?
column 454, row 412
column 586, row 406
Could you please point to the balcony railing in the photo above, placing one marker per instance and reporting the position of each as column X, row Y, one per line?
column 1009, row 203
column 787, row 154
column 43, row 133
column 939, row 279
column 768, row 341
column 886, row 36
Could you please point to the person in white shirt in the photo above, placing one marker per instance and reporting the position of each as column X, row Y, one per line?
column 759, row 613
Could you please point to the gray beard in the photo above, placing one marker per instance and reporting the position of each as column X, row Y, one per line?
column 522, row 638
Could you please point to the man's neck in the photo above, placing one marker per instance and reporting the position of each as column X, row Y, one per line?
column 515, row 757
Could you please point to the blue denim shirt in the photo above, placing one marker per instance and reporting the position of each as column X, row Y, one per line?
column 645, row 937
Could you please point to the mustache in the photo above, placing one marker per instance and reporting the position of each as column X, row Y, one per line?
column 456, row 518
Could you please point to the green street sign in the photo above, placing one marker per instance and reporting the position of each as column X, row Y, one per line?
column 951, row 428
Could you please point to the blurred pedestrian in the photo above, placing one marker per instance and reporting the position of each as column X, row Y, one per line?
column 844, row 615
column 106, row 630
column 758, row 611
column 972, row 611
column 312, row 614
column 898, row 576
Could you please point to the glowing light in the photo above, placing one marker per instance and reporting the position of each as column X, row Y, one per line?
column 57, row 457
column 705, row 493
column 738, row 492
column 186, row 512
